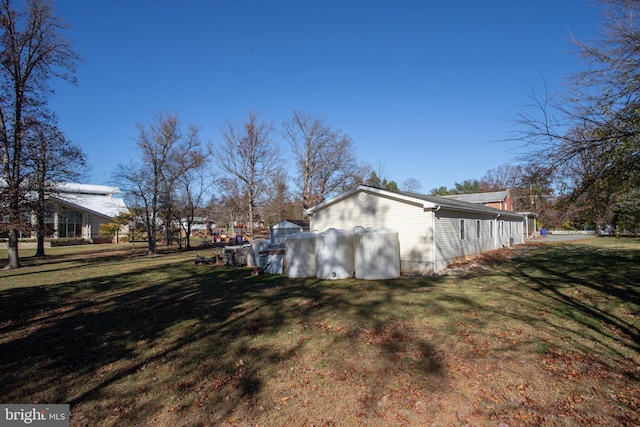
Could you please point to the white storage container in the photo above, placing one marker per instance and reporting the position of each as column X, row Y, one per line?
column 376, row 253
column 300, row 254
column 334, row 254
column 254, row 252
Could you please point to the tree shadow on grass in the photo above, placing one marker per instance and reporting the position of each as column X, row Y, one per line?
column 593, row 291
column 195, row 344
column 581, row 283
column 144, row 345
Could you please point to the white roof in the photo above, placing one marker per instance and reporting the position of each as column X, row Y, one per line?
column 102, row 205
column 97, row 199
column 72, row 187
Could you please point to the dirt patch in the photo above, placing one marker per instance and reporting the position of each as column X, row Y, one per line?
column 488, row 259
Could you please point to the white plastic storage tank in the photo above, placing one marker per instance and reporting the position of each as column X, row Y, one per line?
column 334, row 254
column 253, row 260
column 300, row 254
column 376, row 253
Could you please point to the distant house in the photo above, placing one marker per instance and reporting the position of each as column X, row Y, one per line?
column 200, row 226
column 500, row 200
column 494, row 199
column 78, row 210
column 433, row 231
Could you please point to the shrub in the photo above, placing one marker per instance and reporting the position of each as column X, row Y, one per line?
column 69, row 242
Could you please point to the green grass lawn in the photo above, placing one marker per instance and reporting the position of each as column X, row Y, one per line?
column 548, row 336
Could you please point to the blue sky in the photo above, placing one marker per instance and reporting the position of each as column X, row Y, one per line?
column 426, row 89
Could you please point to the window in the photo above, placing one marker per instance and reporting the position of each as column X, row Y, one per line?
column 69, row 223
column 477, row 228
column 462, row 229
column 502, row 228
column 491, row 229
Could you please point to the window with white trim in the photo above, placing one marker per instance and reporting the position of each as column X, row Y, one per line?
column 477, row 229
column 462, row 229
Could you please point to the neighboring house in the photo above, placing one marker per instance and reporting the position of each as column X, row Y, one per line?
column 200, row 226
column 494, row 199
column 80, row 209
column 433, row 231
column 501, row 200
column 285, row 228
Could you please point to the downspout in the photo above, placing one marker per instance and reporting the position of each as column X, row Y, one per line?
column 496, row 238
column 433, row 250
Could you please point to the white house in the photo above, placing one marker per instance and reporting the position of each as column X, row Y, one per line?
column 80, row 209
column 433, row 231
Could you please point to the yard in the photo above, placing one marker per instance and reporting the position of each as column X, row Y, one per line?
column 540, row 335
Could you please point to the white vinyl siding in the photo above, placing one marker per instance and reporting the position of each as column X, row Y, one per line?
column 431, row 236
column 413, row 224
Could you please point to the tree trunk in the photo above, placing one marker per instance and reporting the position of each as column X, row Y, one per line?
column 40, row 238
column 151, row 237
column 13, row 259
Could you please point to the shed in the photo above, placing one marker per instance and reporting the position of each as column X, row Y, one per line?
column 285, row 228
column 433, row 231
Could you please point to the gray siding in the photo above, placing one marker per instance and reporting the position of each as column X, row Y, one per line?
column 410, row 221
column 429, row 233
column 450, row 245
column 510, row 230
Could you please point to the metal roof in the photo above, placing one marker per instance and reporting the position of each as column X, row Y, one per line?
column 488, row 197
column 98, row 204
column 72, row 187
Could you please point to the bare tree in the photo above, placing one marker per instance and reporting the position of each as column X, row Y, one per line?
column 325, row 159
column 593, row 130
column 33, row 51
column 53, row 159
column 191, row 190
column 229, row 206
column 501, row 178
column 411, row 185
column 166, row 154
column 509, row 177
column 136, row 183
column 251, row 156
column 280, row 204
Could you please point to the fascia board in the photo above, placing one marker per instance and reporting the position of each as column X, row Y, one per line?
column 384, row 193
